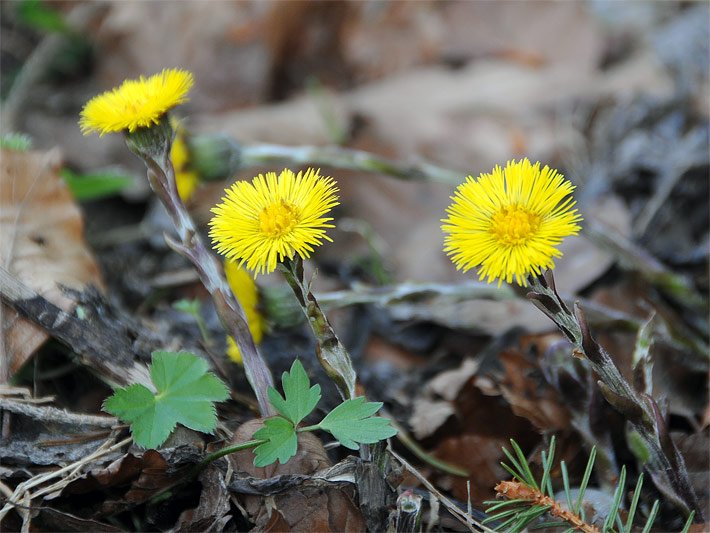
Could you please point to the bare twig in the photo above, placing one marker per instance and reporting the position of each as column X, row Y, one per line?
column 515, row 490
column 22, row 495
column 463, row 517
column 52, row 414
column 334, row 156
column 97, row 345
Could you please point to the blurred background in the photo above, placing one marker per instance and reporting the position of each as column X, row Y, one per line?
column 614, row 94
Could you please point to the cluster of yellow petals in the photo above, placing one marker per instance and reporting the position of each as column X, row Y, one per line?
column 273, row 217
column 137, row 103
column 509, row 222
column 186, row 179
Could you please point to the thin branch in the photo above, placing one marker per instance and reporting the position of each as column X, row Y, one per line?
column 52, row 414
column 345, row 158
column 516, row 490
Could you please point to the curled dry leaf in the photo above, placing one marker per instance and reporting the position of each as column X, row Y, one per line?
column 42, row 245
column 529, row 396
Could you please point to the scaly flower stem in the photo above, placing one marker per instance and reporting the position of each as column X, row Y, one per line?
column 665, row 464
column 154, row 149
column 332, row 355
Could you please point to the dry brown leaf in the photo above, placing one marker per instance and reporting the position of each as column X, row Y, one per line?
column 42, row 244
column 428, row 416
column 449, row 383
column 529, row 396
column 211, row 513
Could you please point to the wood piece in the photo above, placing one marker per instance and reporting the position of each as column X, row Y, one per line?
column 101, row 340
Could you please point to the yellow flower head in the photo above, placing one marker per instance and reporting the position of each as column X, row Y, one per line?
column 179, row 153
column 246, row 291
column 273, row 218
column 136, row 103
column 509, row 222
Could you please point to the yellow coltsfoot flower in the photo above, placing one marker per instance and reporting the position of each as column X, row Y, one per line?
column 186, row 179
column 246, row 291
column 509, row 222
column 136, row 103
column 273, row 218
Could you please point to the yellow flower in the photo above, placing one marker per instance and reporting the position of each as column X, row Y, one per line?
column 179, row 154
column 509, row 222
column 186, row 179
column 246, row 291
column 273, row 218
column 136, row 103
column 187, row 182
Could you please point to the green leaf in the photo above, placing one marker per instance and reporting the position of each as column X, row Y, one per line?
column 191, row 307
column 299, row 397
column 40, row 17
column 281, row 441
column 186, row 393
column 352, row 423
column 94, row 186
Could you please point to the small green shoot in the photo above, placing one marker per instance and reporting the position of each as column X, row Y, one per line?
column 186, row 393
column 192, row 308
column 527, row 499
column 17, row 142
column 86, row 187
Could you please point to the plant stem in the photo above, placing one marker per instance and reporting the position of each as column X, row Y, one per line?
column 665, row 465
column 227, row 450
column 332, row 355
column 155, row 152
column 304, row 429
column 332, row 156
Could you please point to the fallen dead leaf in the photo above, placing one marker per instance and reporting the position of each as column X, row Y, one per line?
column 428, row 416
column 211, row 513
column 528, row 394
column 42, row 244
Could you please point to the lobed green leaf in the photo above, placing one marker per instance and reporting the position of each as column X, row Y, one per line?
column 186, row 393
column 352, row 423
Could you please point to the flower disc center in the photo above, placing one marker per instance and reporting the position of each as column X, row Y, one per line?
column 514, row 225
column 278, row 219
